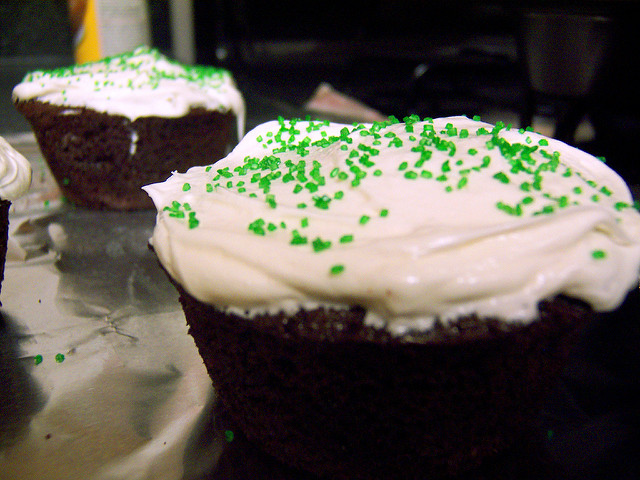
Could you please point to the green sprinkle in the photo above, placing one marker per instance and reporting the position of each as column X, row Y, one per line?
column 346, row 238
column 193, row 221
column 297, row 239
column 501, row 177
column 322, row 202
column 271, row 200
column 364, row 219
column 516, row 211
column 336, row 269
column 59, row 358
column 37, row 360
column 257, row 226
column 186, row 187
column 229, row 436
column 599, row 254
column 319, row 245
column 395, row 142
column 384, row 212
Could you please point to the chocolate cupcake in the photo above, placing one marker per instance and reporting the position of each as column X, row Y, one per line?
column 107, row 128
column 395, row 299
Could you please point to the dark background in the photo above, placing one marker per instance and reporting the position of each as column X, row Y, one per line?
column 405, row 56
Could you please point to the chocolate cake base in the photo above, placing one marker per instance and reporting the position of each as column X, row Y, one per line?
column 325, row 393
column 4, row 236
column 101, row 161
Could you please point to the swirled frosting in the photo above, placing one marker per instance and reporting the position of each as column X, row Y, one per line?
column 415, row 221
column 141, row 83
column 15, row 172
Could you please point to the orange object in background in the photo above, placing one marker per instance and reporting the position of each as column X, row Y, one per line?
column 102, row 28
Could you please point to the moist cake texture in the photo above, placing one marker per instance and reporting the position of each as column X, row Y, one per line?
column 109, row 127
column 395, row 299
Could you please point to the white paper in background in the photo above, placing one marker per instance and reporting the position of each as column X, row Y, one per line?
column 131, row 396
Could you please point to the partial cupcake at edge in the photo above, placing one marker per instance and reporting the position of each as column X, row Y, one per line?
column 107, row 128
column 15, row 179
column 393, row 299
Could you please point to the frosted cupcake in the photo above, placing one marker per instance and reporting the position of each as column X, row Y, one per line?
column 395, row 299
column 15, row 179
column 109, row 127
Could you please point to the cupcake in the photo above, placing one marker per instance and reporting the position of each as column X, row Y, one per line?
column 109, row 127
column 393, row 299
column 15, row 179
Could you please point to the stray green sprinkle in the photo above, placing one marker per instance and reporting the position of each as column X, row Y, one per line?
column 186, row 187
column 59, row 358
column 193, row 221
column 336, row 269
column 501, row 177
column 364, row 219
column 37, row 360
column 346, row 239
column 319, row 245
column 229, row 436
column 599, row 254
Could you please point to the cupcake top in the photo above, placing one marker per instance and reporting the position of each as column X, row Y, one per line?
column 15, row 172
column 141, row 83
column 415, row 221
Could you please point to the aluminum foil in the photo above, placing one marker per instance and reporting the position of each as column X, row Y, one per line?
column 98, row 376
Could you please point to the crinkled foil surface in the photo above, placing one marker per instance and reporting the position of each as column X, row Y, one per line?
column 98, row 376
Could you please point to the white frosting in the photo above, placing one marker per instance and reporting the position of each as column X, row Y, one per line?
column 142, row 83
column 507, row 219
column 15, row 172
